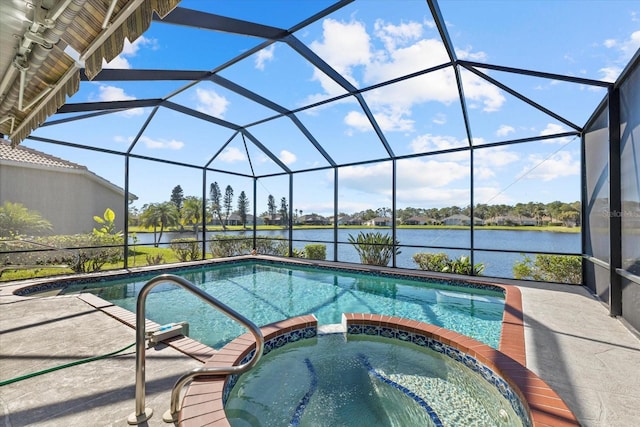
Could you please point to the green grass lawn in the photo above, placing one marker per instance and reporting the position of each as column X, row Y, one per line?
column 146, row 255
column 137, row 258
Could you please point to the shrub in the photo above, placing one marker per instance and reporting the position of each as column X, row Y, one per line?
column 374, row 248
column 226, row 246
column 463, row 265
column 83, row 253
column 271, row 246
column 186, row 249
column 431, row 261
column 297, row 253
column 441, row 262
column 223, row 246
column 316, row 251
column 550, row 268
column 155, row 259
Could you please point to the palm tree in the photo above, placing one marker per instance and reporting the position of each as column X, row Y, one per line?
column 16, row 219
column 160, row 214
column 192, row 211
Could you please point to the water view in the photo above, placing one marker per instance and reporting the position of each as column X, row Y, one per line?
column 497, row 264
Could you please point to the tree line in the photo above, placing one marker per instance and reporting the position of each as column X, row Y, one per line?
column 184, row 211
column 552, row 212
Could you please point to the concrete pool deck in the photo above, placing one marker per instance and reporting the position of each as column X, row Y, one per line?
column 590, row 359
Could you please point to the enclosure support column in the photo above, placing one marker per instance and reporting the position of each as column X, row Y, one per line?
column 204, row 213
column 615, row 204
column 290, row 215
column 584, row 219
column 393, row 210
column 471, row 214
column 255, row 211
column 335, row 214
column 126, row 212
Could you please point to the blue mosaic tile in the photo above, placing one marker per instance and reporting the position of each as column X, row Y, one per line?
column 485, row 372
column 59, row 284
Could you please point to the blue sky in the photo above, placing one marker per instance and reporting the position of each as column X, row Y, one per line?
column 368, row 42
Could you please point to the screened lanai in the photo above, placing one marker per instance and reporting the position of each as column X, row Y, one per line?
column 351, row 116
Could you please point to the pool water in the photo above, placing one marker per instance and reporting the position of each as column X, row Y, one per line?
column 365, row 381
column 265, row 292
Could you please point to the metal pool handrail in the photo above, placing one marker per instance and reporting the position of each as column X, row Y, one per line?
column 141, row 413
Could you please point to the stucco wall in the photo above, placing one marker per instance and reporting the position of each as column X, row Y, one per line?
column 68, row 198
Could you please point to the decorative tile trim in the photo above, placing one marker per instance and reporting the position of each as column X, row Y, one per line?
column 45, row 285
column 505, row 373
column 391, row 331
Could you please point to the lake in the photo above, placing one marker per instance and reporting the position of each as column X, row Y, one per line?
column 497, row 264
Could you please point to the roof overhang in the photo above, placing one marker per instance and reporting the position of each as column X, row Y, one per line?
column 45, row 43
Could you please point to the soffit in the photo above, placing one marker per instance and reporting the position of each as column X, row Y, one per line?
column 38, row 70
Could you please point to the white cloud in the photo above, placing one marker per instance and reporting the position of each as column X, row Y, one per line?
column 344, row 46
column 264, row 56
column 476, row 89
column 121, row 139
column 161, row 144
column 394, row 35
column 231, row 155
column 491, row 195
column 210, row 102
column 631, row 45
column 287, row 157
column 129, row 50
column 625, row 50
column 357, row 120
column 439, row 119
column 415, row 174
column 427, row 143
column 349, row 48
column 487, row 161
column 552, row 129
column 387, row 122
column 505, row 130
column 559, row 165
column 112, row 93
column 470, row 55
column 494, row 157
column 610, row 74
column 108, row 93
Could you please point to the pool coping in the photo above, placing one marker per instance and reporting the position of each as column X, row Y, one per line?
column 511, row 346
column 203, row 403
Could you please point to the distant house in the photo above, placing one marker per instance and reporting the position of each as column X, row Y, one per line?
column 273, row 220
column 511, row 220
column 350, row 220
column 233, row 219
column 313, row 219
column 251, row 219
column 379, row 222
column 461, row 220
column 66, row 194
column 420, row 220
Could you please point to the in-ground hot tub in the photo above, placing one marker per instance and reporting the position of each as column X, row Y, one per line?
column 379, row 371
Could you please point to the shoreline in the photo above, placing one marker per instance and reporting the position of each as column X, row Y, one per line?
column 235, row 228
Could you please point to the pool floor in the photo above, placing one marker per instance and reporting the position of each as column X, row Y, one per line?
column 265, row 293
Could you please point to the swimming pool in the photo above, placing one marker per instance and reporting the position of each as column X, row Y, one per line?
column 265, row 292
column 375, row 380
